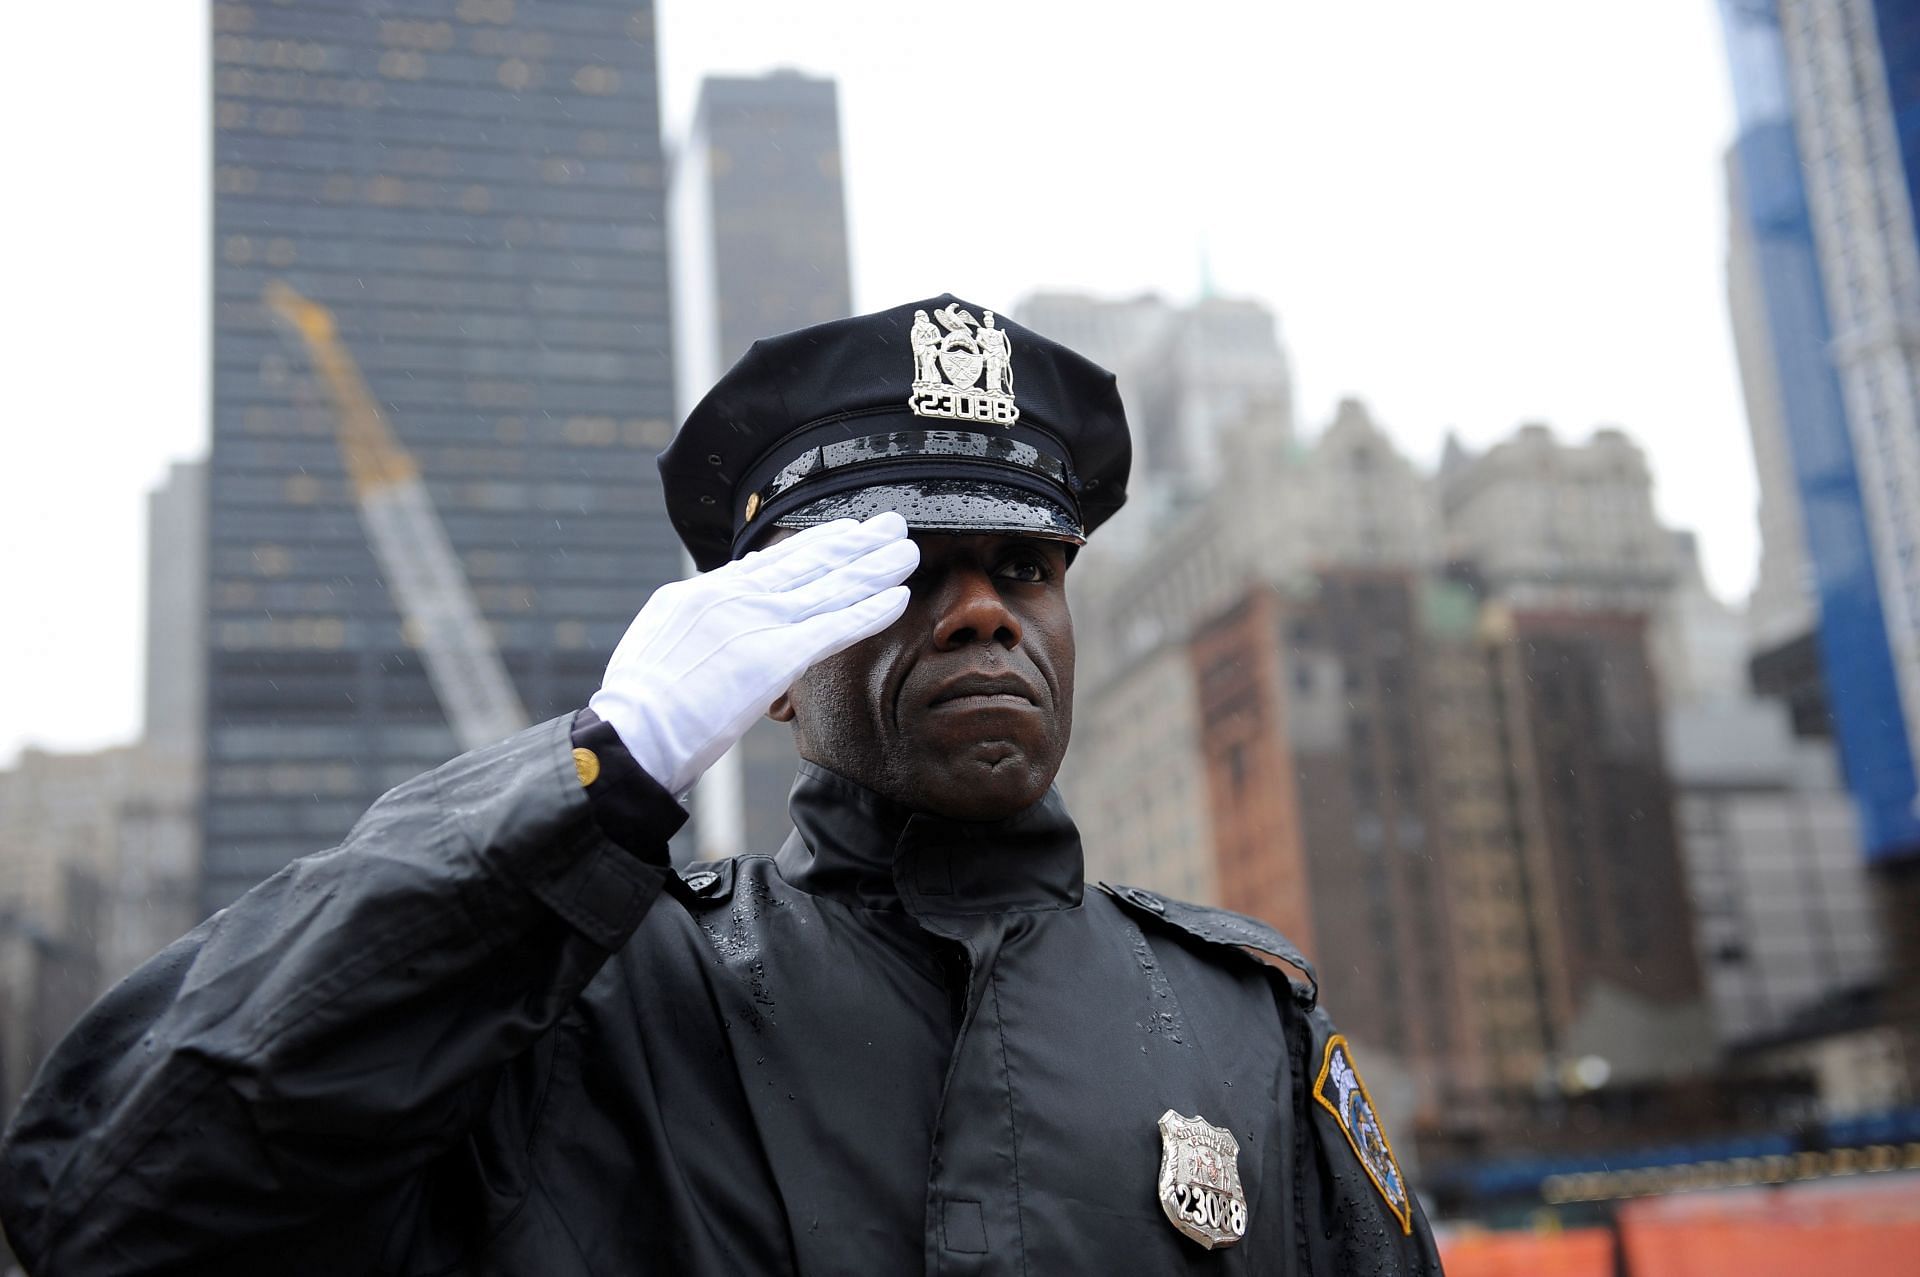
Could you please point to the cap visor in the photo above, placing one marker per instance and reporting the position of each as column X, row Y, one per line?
column 946, row 505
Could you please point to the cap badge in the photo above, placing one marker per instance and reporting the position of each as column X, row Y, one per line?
column 1353, row 1108
column 965, row 373
column 1200, row 1180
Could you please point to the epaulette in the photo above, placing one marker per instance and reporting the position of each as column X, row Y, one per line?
column 1222, row 927
column 707, row 881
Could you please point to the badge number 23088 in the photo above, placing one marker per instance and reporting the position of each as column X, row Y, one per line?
column 1200, row 1180
column 964, row 406
column 1210, row 1208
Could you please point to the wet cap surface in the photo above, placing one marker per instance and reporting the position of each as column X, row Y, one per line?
column 942, row 410
column 943, row 505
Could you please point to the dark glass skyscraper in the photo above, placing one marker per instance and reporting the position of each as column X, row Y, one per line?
column 766, row 150
column 474, row 189
column 761, row 226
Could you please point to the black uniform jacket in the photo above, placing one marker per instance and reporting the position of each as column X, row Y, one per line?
column 473, row 1038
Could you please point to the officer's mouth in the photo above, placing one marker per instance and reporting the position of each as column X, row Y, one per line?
column 984, row 691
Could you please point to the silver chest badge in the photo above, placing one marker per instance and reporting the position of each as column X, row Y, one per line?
column 1200, row 1180
column 965, row 373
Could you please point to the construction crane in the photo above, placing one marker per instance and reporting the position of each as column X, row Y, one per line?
column 408, row 539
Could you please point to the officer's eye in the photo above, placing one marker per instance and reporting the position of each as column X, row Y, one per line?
column 1029, row 568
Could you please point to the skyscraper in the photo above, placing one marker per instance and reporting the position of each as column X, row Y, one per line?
column 177, row 612
column 154, row 884
column 1791, row 268
column 1782, row 607
column 1854, row 66
column 760, row 219
column 474, row 190
column 1854, row 69
column 760, row 230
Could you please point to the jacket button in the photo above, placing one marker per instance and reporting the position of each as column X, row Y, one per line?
column 699, row 882
column 1147, row 900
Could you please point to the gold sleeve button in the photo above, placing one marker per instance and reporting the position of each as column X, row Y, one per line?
column 586, row 765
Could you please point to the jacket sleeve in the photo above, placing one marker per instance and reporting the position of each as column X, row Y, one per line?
column 304, row 1053
column 1360, row 1212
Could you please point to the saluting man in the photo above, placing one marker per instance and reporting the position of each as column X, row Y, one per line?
column 494, row 1032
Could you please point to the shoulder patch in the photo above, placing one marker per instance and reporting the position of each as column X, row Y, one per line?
column 1341, row 1092
column 1222, row 927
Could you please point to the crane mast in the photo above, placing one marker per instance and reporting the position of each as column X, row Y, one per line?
column 409, row 542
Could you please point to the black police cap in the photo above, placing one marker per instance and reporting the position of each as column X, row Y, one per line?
column 941, row 410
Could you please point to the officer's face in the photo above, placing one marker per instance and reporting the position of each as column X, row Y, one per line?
column 964, row 705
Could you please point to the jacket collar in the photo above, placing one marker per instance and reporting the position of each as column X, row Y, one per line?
column 850, row 844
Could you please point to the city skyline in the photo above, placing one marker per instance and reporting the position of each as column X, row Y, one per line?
column 1432, row 678
column 1420, row 348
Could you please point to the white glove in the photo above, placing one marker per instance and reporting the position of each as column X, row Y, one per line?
column 709, row 655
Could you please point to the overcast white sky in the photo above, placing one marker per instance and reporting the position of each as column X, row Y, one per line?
column 1470, row 215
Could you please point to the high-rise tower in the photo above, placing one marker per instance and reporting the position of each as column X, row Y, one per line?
column 760, row 233
column 474, row 190
column 1794, row 271
column 760, row 217
column 1854, row 69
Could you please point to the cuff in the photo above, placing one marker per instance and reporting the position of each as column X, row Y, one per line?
column 630, row 806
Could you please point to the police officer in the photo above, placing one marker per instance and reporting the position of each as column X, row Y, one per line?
column 476, row 1038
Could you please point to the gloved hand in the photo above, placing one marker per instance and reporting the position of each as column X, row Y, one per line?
column 708, row 655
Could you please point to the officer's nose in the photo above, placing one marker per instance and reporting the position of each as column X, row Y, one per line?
column 971, row 611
